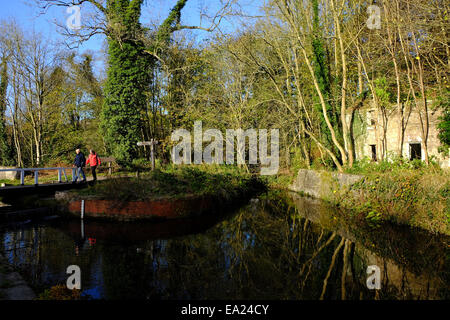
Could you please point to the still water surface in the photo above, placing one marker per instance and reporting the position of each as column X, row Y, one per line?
column 278, row 246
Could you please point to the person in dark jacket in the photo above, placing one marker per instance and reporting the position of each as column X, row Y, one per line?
column 80, row 162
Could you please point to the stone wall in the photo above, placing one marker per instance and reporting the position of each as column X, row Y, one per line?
column 9, row 175
column 322, row 184
column 373, row 127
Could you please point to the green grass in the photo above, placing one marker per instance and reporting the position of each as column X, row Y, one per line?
column 392, row 164
column 174, row 182
column 395, row 190
column 416, row 197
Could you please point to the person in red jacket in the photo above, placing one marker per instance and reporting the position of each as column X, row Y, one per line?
column 94, row 162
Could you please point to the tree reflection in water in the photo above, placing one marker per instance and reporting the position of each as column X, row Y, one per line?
column 277, row 247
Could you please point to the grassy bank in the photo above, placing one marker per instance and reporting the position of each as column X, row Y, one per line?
column 398, row 191
column 417, row 197
column 175, row 182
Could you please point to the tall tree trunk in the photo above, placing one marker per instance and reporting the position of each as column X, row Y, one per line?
column 345, row 129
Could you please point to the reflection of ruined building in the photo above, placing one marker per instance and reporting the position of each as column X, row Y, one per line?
column 381, row 133
column 412, row 265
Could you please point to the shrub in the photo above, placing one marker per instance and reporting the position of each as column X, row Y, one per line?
column 60, row 292
column 417, row 197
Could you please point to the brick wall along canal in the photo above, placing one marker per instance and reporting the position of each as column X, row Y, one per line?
column 279, row 246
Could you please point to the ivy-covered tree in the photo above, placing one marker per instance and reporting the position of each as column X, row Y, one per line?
column 130, row 63
column 126, row 82
column 444, row 128
column 322, row 74
column 132, row 53
column 5, row 150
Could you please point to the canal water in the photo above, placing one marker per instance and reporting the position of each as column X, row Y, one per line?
column 277, row 246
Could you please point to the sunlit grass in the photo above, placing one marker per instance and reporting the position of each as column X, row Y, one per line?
column 176, row 181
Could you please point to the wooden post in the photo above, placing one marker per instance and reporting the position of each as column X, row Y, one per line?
column 36, row 177
column 59, row 176
column 22, row 177
column 150, row 143
column 152, row 155
column 108, row 160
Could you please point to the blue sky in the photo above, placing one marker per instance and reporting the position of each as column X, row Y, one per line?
column 27, row 14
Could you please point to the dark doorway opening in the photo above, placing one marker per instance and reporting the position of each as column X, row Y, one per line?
column 373, row 148
column 415, row 151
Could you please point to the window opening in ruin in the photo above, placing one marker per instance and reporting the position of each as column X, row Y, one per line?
column 373, row 148
column 415, row 151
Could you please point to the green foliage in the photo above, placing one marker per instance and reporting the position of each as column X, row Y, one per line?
column 444, row 125
column 321, row 70
column 382, row 91
column 373, row 217
column 320, row 67
column 170, row 24
column 5, row 150
column 279, row 181
column 394, row 163
column 141, row 163
column 255, row 77
column 125, row 98
column 74, row 124
column 297, row 161
column 129, row 76
column 416, row 197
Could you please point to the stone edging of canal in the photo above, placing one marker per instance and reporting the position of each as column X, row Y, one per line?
column 338, row 189
column 134, row 210
column 12, row 285
column 187, row 206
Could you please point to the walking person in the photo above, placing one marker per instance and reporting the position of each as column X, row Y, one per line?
column 80, row 162
column 94, row 162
